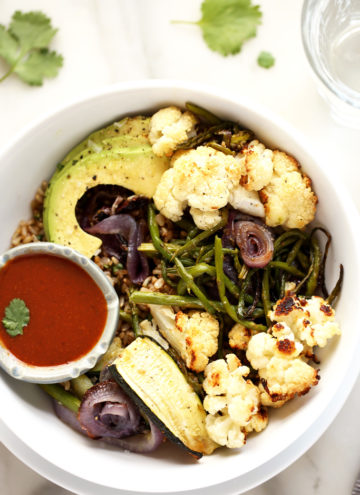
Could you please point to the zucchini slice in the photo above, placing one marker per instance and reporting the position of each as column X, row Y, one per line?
column 153, row 380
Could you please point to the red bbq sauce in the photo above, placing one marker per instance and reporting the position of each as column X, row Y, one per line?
column 68, row 311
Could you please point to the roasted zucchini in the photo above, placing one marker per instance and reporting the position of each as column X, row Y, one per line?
column 153, row 380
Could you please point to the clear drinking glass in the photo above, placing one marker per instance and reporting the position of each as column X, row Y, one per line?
column 331, row 38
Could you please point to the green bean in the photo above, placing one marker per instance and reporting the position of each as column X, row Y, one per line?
column 155, row 234
column 287, row 268
column 336, row 290
column 134, row 317
column 285, row 237
column 65, row 398
column 140, row 297
column 202, row 113
column 244, row 287
column 201, row 269
column 125, row 316
column 321, row 279
column 165, row 275
column 192, row 233
column 265, row 293
column 204, row 136
column 219, row 262
column 305, row 279
column 237, row 263
column 80, row 385
column 208, row 254
column 240, row 138
column 289, row 260
column 191, row 285
column 303, row 260
column 316, row 259
column 220, row 280
column 201, row 237
column 219, row 147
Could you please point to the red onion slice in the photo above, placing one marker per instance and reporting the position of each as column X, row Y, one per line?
column 255, row 243
column 105, row 410
column 125, row 225
column 140, row 443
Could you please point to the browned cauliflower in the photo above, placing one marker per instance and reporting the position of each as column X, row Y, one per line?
column 288, row 198
column 233, row 403
column 193, row 335
column 283, row 372
column 202, row 179
column 258, row 166
column 311, row 320
column 170, row 127
column 239, row 337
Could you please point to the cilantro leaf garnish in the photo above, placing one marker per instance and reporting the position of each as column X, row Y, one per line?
column 17, row 316
column 266, row 60
column 24, row 46
column 226, row 24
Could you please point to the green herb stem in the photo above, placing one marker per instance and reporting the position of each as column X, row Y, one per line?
column 65, row 398
column 191, row 285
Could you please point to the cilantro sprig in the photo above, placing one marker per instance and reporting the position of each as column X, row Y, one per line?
column 17, row 316
column 24, row 46
column 266, row 60
column 226, row 24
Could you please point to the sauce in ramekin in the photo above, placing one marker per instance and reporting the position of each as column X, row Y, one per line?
column 68, row 310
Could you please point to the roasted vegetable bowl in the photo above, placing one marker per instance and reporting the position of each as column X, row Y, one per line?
column 220, row 242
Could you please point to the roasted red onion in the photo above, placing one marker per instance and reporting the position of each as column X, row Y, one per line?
column 134, row 232
column 67, row 416
column 255, row 243
column 142, row 443
column 106, row 411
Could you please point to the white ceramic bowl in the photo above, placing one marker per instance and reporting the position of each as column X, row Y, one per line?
column 293, row 428
column 63, row 372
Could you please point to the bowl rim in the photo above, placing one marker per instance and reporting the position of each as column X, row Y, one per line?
column 353, row 365
column 20, row 370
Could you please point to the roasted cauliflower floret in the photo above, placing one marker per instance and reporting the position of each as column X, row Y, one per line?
column 282, row 371
column 258, row 166
column 239, row 337
column 164, row 200
column 246, row 201
column 233, row 403
column 205, row 220
column 202, row 179
column 170, row 127
column 288, row 198
column 149, row 329
column 193, row 335
column 311, row 320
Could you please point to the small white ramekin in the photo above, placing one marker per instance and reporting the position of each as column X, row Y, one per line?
column 60, row 373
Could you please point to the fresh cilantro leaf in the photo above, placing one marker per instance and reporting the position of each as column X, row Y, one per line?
column 8, row 46
column 226, row 24
column 38, row 65
column 24, row 46
column 266, row 60
column 17, row 316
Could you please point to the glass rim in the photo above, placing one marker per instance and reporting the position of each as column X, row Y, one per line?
column 339, row 89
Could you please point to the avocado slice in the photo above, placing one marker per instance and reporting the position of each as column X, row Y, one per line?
column 125, row 159
column 129, row 129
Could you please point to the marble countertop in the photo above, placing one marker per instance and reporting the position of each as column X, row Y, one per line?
column 107, row 41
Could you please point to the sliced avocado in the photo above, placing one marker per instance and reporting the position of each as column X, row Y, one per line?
column 135, row 168
column 132, row 128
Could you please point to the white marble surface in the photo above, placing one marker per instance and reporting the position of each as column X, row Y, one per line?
column 106, row 41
